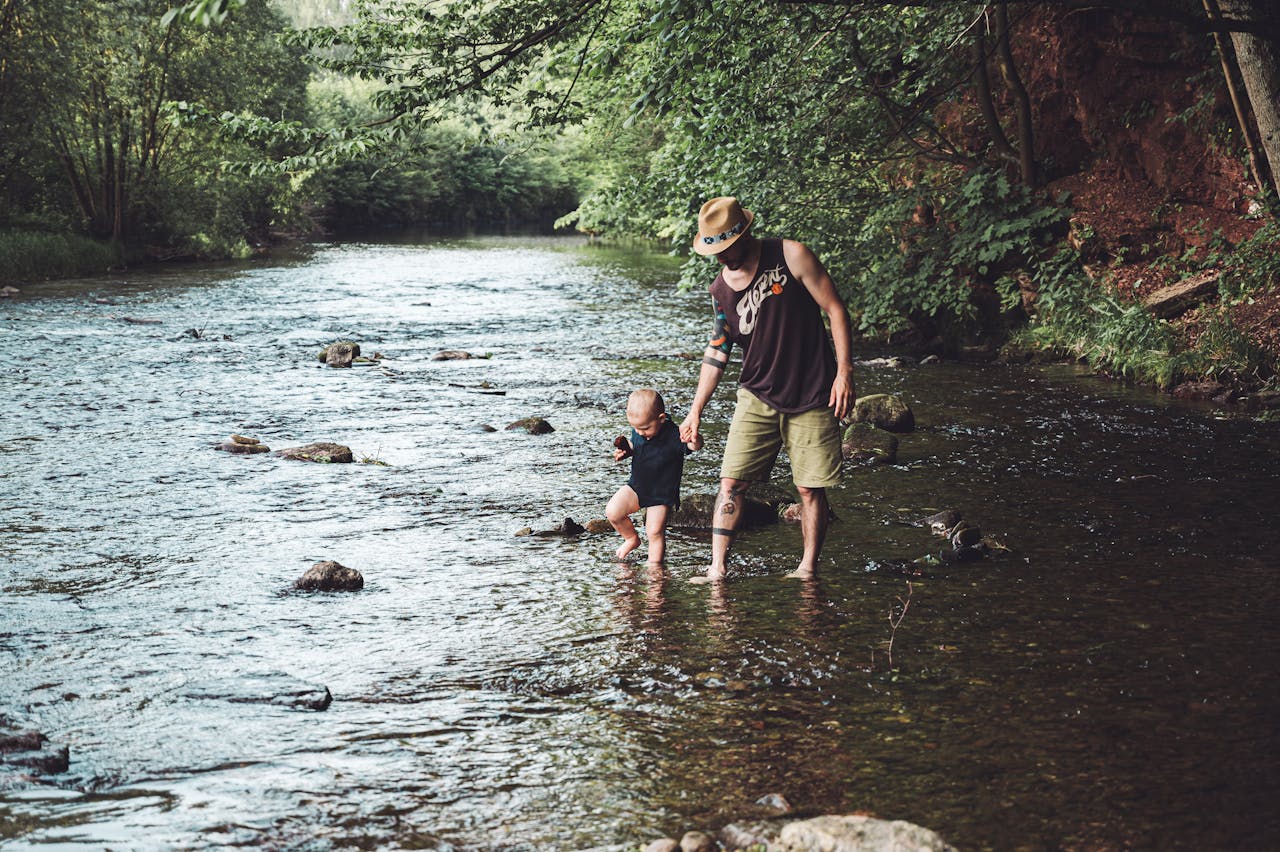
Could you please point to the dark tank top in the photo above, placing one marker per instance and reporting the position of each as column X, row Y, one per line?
column 786, row 352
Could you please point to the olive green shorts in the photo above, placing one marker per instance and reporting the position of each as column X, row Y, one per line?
column 758, row 431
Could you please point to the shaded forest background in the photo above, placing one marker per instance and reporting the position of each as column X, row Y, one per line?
column 1014, row 178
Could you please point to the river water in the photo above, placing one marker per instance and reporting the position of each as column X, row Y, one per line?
column 1108, row 682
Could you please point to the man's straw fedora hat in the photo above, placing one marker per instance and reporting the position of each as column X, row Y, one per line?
column 721, row 223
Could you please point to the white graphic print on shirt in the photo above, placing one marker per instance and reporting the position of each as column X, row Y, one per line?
column 770, row 283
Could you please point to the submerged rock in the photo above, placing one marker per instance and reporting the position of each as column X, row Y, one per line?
column 279, row 690
column 854, row 833
column 599, row 525
column 330, row 576
column 964, row 536
column 568, row 527
column 865, row 442
column 886, row 411
column 323, row 452
column 695, row 513
column 943, row 522
column 32, row 752
column 452, row 355
column 1201, row 391
column 790, row 513
column 893, row 361
column 532, row 425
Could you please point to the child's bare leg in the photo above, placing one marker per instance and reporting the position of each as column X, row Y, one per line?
column 655, row 528
column 618, row 511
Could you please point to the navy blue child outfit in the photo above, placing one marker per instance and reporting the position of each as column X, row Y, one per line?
column 657, row 465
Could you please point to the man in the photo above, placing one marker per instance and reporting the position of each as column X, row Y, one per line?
column 769, row 299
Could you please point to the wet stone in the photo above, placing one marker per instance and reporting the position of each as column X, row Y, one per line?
column 696, row 841
column 330, row 576
column 965, row 537
column 885, row 411
column 695, row 513
column 859, row 834
column 665, row 844
column 323, row 452
column 237, row 448
column 31, row 752
column 943, row 522
column 531, row 425
column 775, row 802
column 452, row 355
column 791, row 513
column 867, row 443
column 569, row 527
column 745, row 835
column 340, row 354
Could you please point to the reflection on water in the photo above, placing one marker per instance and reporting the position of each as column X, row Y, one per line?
column 1106, row 683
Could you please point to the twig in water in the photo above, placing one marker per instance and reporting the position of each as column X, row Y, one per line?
column 895, row 622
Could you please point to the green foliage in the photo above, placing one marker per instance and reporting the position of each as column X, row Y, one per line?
column 34, row 255
column 104, row 155
column 466, row 171
column 1074, row 316
column 977, row 229
column 1254, row 266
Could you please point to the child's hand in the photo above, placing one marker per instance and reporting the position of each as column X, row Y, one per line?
column 622, row 448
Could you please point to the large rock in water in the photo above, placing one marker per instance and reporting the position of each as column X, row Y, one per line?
column 321, row 451
column 886, row 411
column 695, row 513
column 329, row 576
column 864, row 442
column 859, row 834
column 340, row 354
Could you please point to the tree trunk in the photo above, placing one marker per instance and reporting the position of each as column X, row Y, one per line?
column 1021, row 101
column 1244, row 117
column 1259, row 61
column 983, row 95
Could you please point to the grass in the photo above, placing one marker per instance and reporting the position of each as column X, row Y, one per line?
column 1078, row 318
column 37, row 255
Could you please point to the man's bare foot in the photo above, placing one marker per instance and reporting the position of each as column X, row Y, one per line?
column 713, row 575
column 628, row 545
column 802, row 573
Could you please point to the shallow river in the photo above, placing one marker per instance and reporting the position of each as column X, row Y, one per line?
column 1108, row 682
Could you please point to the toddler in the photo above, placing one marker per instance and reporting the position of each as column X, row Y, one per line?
column 657, row 461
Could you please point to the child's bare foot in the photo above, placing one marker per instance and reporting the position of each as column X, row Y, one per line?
column 628, row 545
